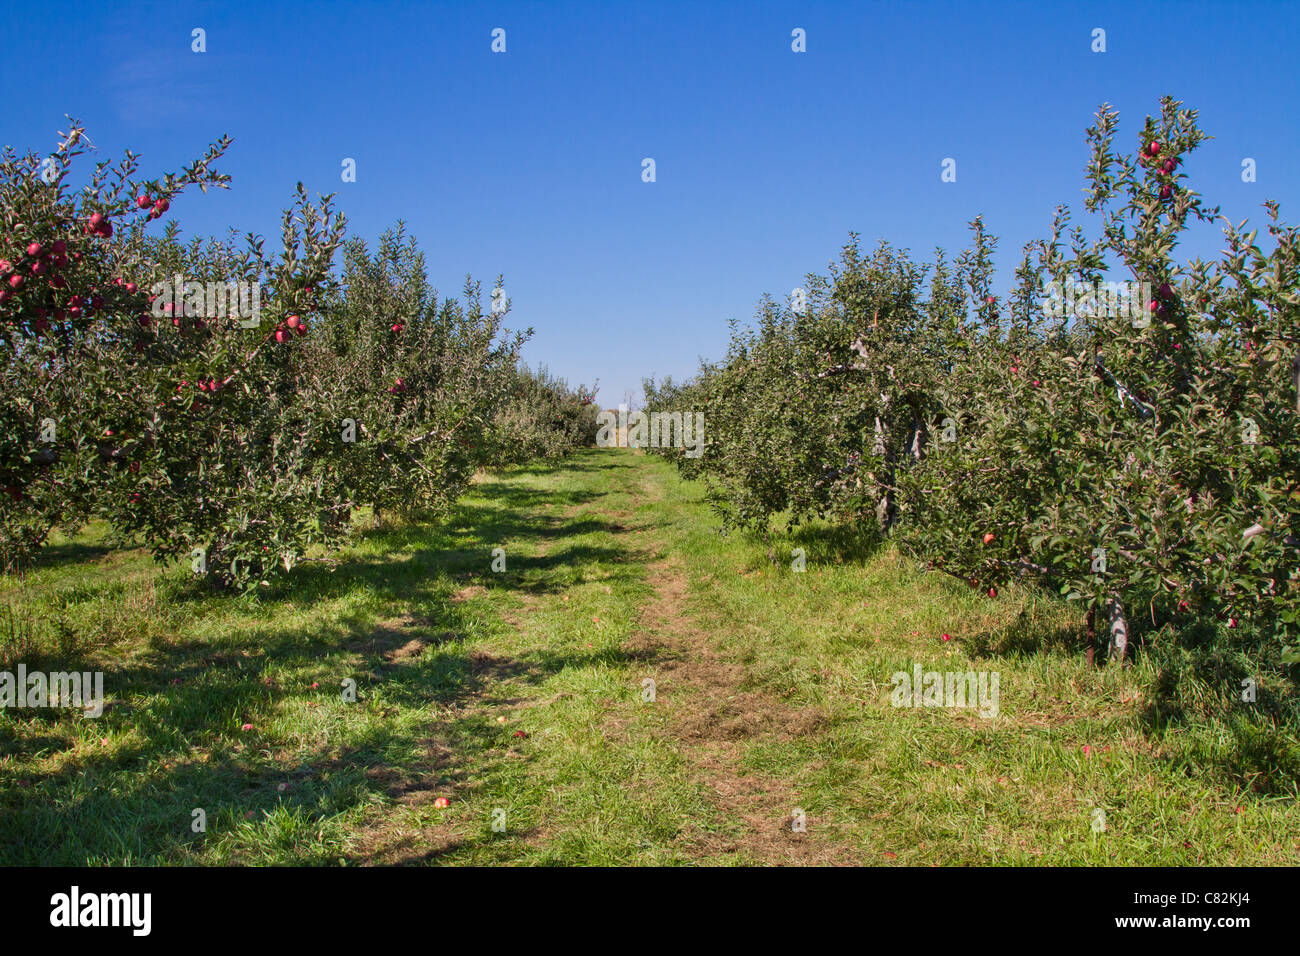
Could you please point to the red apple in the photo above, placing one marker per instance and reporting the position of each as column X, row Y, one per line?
column 5, row 265
column 292, row 321
column 15, row 281
column 58, row 247
column 142, row 201
column 281, row 335
column 1166, row 191
column 39, row 268
column 1153, row 149
column 34, row 249
column 161, row 206
column 96, row 219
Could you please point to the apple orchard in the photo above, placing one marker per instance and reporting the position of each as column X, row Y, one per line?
column 1148, row 470
column 243, row 446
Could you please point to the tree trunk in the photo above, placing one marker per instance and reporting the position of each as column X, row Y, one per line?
column 885, row 507
column 1118, row 629
column 1090, row 649
column 917, row 446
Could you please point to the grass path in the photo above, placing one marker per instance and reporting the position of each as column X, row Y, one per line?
column 523, row 697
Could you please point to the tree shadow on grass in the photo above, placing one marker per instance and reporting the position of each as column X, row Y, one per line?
column 585, row 461
column 1201, row 679
column 69, row 552
column 519, row 497
column 1028, row 636
column 178, row 708
column 137, row 803
column 1193, row 706
column 821, row 543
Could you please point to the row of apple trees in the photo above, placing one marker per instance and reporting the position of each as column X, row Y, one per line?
column 237, row 426
column 1140, row 457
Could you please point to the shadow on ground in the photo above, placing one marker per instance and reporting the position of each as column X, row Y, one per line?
column 176, row 710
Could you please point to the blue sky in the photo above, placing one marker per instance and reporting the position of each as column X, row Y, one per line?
column 528, row 163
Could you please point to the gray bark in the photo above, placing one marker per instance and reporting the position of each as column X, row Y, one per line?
column 1118, row 628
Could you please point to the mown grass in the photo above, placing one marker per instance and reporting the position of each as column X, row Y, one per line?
column 1182, row 769
column 452, row 659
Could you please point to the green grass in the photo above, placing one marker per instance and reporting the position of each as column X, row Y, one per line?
column 451, row 659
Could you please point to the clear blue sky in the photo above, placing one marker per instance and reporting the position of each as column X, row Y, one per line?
column 529, row 162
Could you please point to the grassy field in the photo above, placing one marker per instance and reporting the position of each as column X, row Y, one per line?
column 524, row 698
